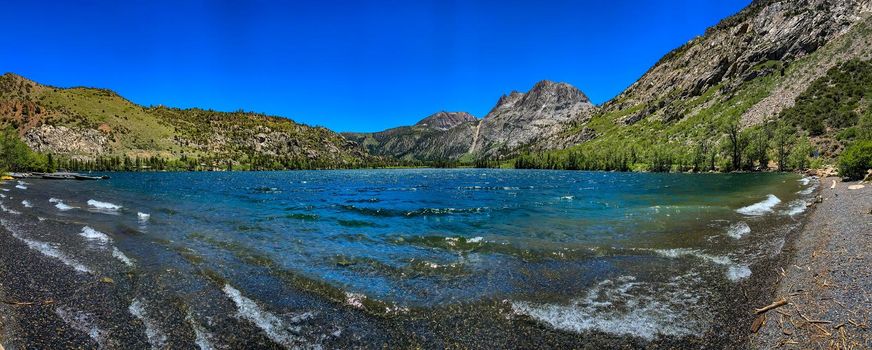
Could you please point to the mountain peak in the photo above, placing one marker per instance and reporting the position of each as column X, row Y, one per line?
column 446, row 120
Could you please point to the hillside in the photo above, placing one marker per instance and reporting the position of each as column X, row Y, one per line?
column 86, row 124
column 749, row 70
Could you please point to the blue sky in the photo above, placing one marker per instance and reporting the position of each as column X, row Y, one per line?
column 346, row 65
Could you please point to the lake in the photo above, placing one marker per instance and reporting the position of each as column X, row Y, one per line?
column 429, row 257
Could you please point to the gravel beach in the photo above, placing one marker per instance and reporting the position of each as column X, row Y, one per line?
column 827, row 285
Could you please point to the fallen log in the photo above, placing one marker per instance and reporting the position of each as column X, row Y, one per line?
column 776, row 304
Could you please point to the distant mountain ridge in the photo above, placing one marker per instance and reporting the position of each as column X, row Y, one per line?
column 517, row 120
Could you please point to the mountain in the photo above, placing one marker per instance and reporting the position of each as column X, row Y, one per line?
column 754, row 66
column 86, row 123
column 446, row 120
column 517, row 120
column 441, row 136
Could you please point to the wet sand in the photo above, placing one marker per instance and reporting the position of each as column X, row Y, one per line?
column 828, row 282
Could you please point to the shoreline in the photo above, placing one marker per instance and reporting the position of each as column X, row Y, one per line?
column 825, row 282
column 33, row 271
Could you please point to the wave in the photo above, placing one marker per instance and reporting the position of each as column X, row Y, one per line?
column 738, row 230
column 274, row 328
column 118, row 254
column 795, row 207
column 735, row 271
column 805, row 181
column 143, row 217
column 10, row 211
column 94, row 235
column 156, row 338
column 46, row 249
column 4, row 189
column 103, row 205
column 84, row 323
column 381, row 212
column 21, row 187
column 27, row 204
column 760, row 208
column 807, row 191
column 2, row 195
column 625, row 306
column 202, row 338
column 63, row 207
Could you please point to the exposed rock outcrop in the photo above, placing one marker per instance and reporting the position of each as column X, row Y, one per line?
column 520, row 119
column 69, row 141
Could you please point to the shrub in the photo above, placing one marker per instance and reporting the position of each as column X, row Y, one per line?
column 855, row 160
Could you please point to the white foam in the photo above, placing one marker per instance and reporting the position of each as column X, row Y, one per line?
column 735, row 271
column 474, row 240
column 274, row 328
column 625, row 306
column 807, row 191
column 760, row 208
column 10, row 211
column 54, row 200
column 143, row 217
column 795, row 207
column 738, row 272
column 84, row 323
column 118, row 254
column 103, row 205
column 738, row 230
column 156, row 338
column 567, row 198
column 94, row 235
column 202, row 338
column 5, row 190
column 46, row 249
column 805, row 181
column 63, row 207
column 355, row 299
column 27, row 204
column 21, row 187
column 2, row 195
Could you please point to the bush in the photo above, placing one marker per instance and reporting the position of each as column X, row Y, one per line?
column 855, row 160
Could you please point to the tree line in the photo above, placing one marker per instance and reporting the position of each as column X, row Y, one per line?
column 754, row 148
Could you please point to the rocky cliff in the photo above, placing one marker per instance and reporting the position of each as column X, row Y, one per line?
column 521, row 119
column 752, row 65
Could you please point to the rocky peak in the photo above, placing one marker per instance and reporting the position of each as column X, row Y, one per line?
column 446, row 120
column 519, row 119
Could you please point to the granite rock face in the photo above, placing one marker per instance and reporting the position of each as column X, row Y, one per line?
column 521, row 119
column 517, row 120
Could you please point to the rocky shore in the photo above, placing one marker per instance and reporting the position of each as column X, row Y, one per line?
column 823, row 298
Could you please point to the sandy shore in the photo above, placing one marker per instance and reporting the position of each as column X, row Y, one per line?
column 828, row 282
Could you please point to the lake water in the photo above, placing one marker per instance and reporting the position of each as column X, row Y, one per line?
column 349, row 258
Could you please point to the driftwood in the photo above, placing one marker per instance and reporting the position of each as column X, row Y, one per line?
column 776, row 304
column 758, row 322
column 27, row 303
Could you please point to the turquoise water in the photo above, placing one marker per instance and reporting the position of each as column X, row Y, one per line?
column 622, row 253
